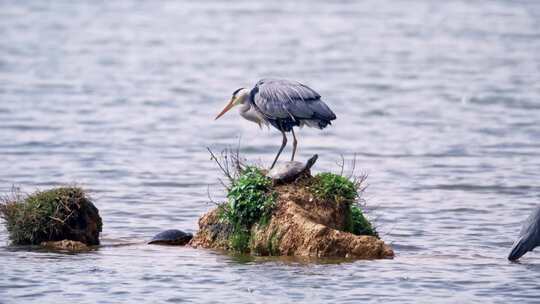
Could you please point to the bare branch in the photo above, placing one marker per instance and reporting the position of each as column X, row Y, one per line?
column 223, row 184
column 225, row 170
column 237, row 163
column 341, row 164
column 353, row 165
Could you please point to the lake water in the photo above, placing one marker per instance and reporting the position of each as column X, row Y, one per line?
column 440, row 102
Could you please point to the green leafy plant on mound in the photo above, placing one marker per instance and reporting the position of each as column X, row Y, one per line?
column 53, row 215
column 359, row 224
column 340, row 189
column 333, row 187
column 250, row 201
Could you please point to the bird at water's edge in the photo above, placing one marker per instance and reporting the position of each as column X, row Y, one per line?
column 283, row 104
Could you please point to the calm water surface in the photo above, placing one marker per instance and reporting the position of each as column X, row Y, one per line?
column 439, row 101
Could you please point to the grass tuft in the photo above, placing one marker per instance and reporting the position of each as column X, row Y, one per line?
column 359, row 224
column 333, row 187
column 53, row 215
column 340, row 189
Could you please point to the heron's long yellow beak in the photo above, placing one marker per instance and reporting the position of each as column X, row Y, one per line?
column 227, row 108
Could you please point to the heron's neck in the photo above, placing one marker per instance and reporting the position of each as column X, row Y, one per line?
column 248, row 112
column 244, row 107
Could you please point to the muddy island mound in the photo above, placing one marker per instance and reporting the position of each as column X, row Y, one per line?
column 315, row 216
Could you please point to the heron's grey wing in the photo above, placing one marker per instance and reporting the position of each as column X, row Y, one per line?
column 529, row 236
column 280, row 99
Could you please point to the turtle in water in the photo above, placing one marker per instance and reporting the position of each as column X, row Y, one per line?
column 171, row 237
column 289, row 171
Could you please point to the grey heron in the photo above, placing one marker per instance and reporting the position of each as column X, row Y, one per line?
column 283, row 104
column 529, row 236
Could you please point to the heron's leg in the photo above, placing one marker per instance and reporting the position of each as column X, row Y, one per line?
column 294, row 143
column 283, row 144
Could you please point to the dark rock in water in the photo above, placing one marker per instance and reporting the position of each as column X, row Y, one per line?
column 289, row 171
column 68, row 245
column 171, row 237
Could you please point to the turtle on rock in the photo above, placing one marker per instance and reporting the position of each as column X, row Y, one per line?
column 171, row 237
column 290, row 171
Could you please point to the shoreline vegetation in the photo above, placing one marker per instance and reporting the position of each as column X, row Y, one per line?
column 315, row 216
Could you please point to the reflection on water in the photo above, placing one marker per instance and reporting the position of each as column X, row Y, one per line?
column 439, row 101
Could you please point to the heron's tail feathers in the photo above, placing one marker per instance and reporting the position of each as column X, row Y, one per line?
column 315, row 123
column 321, row 111
column 519, row 248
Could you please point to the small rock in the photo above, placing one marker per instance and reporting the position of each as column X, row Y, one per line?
column 66, row 245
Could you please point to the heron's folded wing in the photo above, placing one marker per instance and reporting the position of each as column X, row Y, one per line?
column 277, row 99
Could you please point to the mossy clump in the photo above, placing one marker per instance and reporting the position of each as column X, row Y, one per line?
column 342, row 190
column 250, row 201
column 52, row 215
column 333, row 187
column 359, row 224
